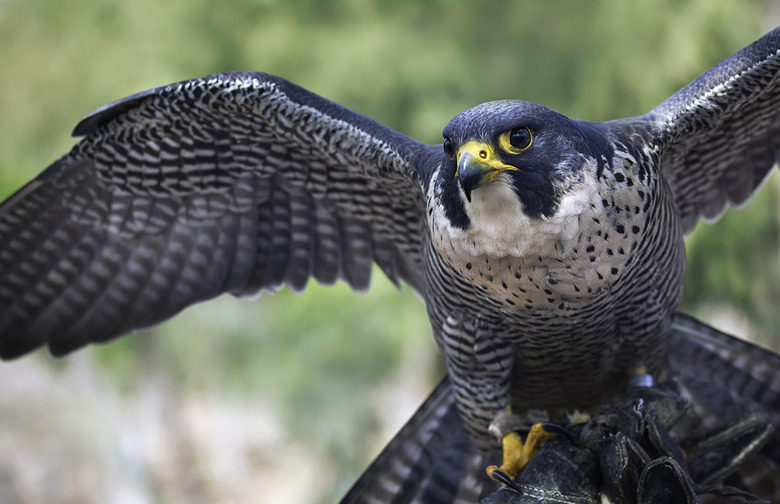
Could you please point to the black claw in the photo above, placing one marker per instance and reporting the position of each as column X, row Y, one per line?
column 504, row 478
column 560, row 429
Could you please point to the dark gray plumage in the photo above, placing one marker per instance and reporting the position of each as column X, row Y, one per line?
column 232, row 183
column 431, row 459
column 548, row 251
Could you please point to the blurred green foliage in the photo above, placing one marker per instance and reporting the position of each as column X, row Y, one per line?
column 735, row 265
column 412, row 66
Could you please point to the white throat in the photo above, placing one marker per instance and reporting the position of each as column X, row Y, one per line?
column 499, row 227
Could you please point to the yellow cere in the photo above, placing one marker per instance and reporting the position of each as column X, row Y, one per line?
column 486, row 155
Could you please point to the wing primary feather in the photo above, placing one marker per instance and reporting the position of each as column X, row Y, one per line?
column 302, row 228
column 327, row 257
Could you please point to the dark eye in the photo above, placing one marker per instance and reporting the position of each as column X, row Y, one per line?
column 449, row 149
column 520, row 138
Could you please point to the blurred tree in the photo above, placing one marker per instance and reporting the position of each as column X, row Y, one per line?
column 321, row 357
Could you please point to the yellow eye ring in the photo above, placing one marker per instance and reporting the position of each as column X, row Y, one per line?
column 516, row 140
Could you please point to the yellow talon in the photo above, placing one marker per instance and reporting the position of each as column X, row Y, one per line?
column 516, row 453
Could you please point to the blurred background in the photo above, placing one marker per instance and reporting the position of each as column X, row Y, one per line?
column 287, row 400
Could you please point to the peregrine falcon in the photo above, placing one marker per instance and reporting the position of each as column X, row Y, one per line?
column 548, row 251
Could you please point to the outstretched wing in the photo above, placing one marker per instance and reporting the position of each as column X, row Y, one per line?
column 231, row 183
column 721, row 133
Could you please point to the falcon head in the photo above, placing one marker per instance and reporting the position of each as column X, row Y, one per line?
column 512, row 166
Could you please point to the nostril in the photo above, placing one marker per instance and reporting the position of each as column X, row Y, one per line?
column 483, row 154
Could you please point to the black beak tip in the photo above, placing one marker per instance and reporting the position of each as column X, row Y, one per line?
column 468, row 183
column 467, row 192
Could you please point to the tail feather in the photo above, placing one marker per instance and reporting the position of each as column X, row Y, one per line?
column 728, row 378
column 431, row 460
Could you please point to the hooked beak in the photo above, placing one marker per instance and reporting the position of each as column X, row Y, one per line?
column 478, row 164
